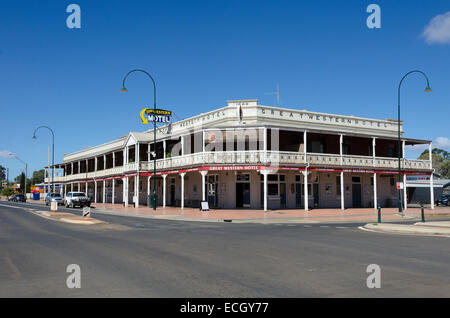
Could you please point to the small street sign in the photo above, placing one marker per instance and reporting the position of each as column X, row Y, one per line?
column 86, row 211
column 399, row 185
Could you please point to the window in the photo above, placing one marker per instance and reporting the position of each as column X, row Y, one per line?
column 297, row 178
column 282, row 177
column 272, row 189
column 392, row 181
column 272, row 177
column 356, row 179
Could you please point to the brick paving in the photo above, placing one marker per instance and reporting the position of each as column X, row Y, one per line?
column 286, row 215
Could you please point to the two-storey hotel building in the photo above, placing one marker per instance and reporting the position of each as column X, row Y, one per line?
column 246, row 155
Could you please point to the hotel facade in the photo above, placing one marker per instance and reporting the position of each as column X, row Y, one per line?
column 246, row 155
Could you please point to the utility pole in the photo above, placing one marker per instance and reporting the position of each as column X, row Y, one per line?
column 48, row 183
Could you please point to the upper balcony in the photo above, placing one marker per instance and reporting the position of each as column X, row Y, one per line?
column 273, row 158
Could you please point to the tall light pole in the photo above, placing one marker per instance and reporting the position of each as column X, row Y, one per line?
column 124, row 90
column 26, row 173
column 427, row 90
column 53, row 152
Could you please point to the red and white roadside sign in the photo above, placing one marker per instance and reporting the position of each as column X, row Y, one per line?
column 399, row 185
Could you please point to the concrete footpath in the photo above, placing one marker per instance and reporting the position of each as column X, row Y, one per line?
column 363, row 215
column 419, row 228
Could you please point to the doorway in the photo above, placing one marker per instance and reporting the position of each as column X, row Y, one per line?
column 242, row 195
column 316, row 194
column 212, row 195
column 356, row 195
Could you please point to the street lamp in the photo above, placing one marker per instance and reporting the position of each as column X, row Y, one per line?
column 427, row 90
column 125, row 90
column 53, row 152
column 26, row 173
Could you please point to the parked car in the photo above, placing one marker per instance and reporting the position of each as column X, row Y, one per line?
column 74, row 199
column 443, row 200
column 54, row 197
column 17, row 198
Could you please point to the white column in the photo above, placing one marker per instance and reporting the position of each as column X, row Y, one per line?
column 403, row 149
column 341, row 141
column 432, row 190
column 95, row 192
column 148, row 185
column 405, row 199
column 96, row 163
column 136, row 191
column 71, row 187
column 164, row 176
column 71, row 168
column 164, row 149
column 342, row 191
column 65, row 189
column 265, row 139
column 136, row 153
column 113, row 192
column 305, row 187
column 104, row 162
column 114, row 159
column 305, row 144
column 374, row 141
column 265, row 173
column 182, row 189
column 127, row 154
column 104, row 191
column 79, row 166
column 125, row 190
column 79, row 187
column 203, row 142
column 87, row 193
column 375, row 199
column 203, row 173
column 182, row 145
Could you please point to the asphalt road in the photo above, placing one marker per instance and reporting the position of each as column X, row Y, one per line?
column 138, row 257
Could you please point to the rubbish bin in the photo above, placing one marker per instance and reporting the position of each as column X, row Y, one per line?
column 151, row 199
column 36, row 196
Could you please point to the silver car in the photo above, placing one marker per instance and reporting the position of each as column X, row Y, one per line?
column 54, row 197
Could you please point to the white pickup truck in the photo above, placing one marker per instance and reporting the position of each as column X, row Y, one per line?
column 74, row 199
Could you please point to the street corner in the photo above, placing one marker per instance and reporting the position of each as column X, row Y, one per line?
column 441, row 229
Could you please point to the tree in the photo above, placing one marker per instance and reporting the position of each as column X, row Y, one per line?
column 440, row 160
column 38, row 176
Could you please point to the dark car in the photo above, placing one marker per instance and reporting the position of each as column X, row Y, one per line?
column 443, row 200
column 17, row 198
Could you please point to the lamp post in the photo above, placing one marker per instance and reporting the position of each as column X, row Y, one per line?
column 427, row 90
column 53, row 152
column 26, row 173
column 124, row 90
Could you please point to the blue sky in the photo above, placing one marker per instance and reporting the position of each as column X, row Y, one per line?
column 202, row 53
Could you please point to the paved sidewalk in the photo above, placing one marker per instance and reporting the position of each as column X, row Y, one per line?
column 419, row 228
column 273, row 216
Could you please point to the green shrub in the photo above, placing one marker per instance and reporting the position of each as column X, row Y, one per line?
column 8, row 191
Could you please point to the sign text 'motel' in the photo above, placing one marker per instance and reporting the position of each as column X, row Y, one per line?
column 155, row 115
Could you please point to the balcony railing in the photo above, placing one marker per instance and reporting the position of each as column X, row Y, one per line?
column 255, row 158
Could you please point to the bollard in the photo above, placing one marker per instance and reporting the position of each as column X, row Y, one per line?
column 379, row 214
column 422, row 212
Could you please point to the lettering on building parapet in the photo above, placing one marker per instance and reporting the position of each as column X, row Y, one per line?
column 324, row 118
